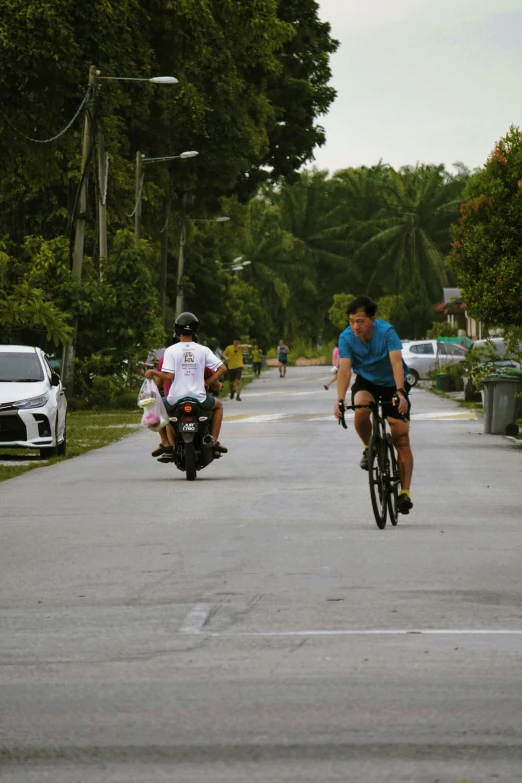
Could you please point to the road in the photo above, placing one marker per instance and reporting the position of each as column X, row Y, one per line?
column 255, row 624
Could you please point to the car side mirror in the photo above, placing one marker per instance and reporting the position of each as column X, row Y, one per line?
column 55, row 379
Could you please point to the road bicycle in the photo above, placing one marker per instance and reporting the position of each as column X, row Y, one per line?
column 383, row 470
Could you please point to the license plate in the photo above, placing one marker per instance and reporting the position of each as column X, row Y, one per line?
column 187, row 426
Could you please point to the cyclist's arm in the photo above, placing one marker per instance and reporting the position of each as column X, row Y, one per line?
column 397, row 368
column 343, row 382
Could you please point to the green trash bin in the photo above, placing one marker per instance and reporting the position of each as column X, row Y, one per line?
column 442, row 381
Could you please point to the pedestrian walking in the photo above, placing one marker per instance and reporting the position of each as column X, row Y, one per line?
column 335, row 366
column 234, row 357
column 257, row 358
column 282, row 357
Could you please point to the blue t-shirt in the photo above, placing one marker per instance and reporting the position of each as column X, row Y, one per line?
column 371, row 360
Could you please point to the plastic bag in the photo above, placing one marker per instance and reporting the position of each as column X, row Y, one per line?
column 155, row 416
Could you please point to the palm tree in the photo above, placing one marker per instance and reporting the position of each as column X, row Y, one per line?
column 411, row 233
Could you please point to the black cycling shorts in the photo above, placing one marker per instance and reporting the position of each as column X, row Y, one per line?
column 382, row 393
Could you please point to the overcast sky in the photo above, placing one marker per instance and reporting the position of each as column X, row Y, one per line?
column 430, row 81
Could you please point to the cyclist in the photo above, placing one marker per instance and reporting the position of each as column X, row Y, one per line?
column 372, row 349
column 184, row 365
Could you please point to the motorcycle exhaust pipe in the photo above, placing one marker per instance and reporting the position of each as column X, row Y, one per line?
column 208, row 440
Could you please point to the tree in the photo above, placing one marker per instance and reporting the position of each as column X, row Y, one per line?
column 337, row 312
column 487, row 242
column 410, row 235
column 412, row 314
column 243, row 69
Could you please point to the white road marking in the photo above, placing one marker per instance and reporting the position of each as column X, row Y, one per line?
column 263, row 418
column 195, row 619
column 378, row 632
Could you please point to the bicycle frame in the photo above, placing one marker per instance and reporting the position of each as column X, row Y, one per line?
column 383, row 470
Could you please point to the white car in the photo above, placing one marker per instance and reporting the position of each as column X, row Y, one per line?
column 422, row 356
column 33, row 405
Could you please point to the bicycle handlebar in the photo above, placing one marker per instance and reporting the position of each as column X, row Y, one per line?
column 371, row 405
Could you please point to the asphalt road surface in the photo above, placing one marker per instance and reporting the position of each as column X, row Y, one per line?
column 255, row 625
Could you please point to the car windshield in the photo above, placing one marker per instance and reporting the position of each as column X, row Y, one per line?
column 20, row 367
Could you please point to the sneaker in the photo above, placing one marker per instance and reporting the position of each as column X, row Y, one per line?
column 232, row 394
column 364, row 460
column 404, row 504
column 167, row 457
column 238, row 398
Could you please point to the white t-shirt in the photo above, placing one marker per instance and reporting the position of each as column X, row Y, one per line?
column 188, row 361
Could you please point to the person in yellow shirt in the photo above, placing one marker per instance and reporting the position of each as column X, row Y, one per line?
column 257, row 358
column 234, row 357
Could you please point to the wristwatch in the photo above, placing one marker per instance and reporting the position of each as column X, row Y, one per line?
column 403, row 391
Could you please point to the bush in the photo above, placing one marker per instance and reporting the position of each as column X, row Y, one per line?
column 105, row 390
column 441, row 329
column 456, row 374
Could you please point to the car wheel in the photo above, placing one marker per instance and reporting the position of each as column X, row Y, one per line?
column 47, row 452
column 62, row 447
column 412, row 377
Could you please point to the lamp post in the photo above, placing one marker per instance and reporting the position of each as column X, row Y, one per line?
column 180, row 296
column 81, row 203
column 140, row 160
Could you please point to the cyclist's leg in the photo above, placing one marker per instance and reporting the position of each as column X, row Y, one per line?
column 363, row 421
column 362, row 394
column 400, row 432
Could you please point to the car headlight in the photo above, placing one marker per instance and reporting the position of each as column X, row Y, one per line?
column 34, row 402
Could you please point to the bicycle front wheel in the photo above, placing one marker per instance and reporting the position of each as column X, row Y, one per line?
column 393, row 481
column 378, row 480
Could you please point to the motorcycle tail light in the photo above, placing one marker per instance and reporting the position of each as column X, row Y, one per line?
column 187, row 408
column 188, row 418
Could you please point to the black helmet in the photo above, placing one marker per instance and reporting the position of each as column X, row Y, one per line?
column 186, row 323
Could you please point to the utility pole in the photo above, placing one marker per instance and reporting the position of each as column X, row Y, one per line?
column 180, row 297
column 81, row 209
column 164, row 259
column 139, row 185
column 102, row 203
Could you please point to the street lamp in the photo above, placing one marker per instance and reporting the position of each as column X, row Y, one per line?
column 180, row 296
column 140, row 159
column 81, row 202
column 154, row 79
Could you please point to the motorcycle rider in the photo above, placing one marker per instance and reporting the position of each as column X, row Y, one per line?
column 184, row 365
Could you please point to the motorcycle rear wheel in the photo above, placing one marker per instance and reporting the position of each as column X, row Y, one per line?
column 190, row 461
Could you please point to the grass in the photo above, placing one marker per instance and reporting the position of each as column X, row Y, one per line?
column 86, row 430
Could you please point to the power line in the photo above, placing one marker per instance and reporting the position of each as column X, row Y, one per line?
column 53, row 138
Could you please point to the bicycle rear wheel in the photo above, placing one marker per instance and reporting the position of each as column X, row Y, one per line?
column 378, row 480
column 393, row 481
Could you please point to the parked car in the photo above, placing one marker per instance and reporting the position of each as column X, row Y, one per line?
column 422, row 356
column 33, row 405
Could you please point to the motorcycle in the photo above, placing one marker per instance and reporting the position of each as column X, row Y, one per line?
column 194, row 445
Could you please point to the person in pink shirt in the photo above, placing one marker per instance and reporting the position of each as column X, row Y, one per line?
column 335, row 366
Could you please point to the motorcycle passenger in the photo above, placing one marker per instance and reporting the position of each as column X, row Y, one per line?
column 184, row 365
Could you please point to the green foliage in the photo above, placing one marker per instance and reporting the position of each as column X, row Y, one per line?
column 487, row 243
column 28, row 313
column 253, row 79
column 384, row 307
column 337, row 312
column 441, row 329
column 455, row 373
column 412, row 313
column 483, row 361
